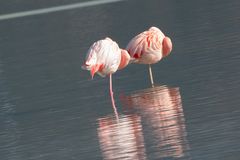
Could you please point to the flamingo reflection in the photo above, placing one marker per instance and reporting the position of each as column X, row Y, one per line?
column 122, row 138
column 161, row 110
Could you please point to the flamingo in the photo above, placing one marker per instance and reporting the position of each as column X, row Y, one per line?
column 149, row 47
column 105, row 57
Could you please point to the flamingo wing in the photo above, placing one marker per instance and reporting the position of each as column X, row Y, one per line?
column 147, row 46
column 103, row 57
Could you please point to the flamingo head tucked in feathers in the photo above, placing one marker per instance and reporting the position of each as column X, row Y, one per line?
column 105, row 57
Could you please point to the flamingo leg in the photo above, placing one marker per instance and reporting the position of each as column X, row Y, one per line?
column 150, row 74
column 112, row 98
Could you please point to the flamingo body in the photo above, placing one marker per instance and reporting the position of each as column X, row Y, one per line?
column 149, row 47
column 105, row 57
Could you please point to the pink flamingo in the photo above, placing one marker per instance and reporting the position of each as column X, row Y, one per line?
column 149, row 47
column 105, row 57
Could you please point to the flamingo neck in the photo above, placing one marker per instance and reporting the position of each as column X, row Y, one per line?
column 167, row 46
column 125, row 58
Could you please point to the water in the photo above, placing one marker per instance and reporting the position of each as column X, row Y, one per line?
column 51, row 109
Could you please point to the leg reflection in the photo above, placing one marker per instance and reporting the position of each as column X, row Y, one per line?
column 121, row 139
column 163, row 120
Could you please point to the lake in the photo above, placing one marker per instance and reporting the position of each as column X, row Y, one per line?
column 51, row 109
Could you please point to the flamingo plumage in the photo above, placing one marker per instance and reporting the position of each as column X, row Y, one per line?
column 149, row 47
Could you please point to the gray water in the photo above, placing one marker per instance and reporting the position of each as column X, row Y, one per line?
column 51, row 109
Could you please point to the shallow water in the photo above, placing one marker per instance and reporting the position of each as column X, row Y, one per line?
column 51, row 109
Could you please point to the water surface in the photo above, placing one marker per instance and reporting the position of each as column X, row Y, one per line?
column 51, row 109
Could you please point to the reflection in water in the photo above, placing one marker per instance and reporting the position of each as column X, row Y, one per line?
column 121, row 139
column 161, row 111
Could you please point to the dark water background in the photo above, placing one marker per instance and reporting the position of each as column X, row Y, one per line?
column 51, row 109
